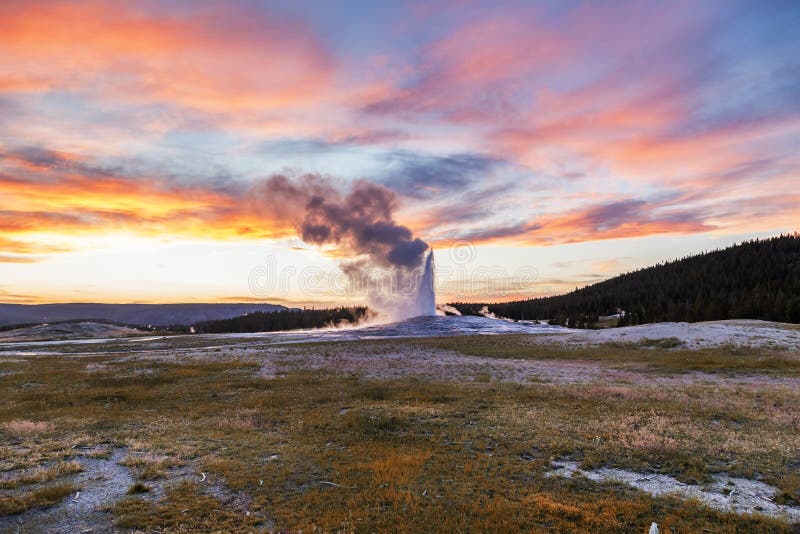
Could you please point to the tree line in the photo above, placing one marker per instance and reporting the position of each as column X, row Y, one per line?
column 758, row 279
column 292, row 319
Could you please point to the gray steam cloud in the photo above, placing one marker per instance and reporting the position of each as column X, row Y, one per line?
column 359, row 220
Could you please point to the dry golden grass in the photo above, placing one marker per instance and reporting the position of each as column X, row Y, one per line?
column 151, row 466
column 21, row 427
column 14, row 504
column 343, row 453
column 42, row 474
column 185, row 509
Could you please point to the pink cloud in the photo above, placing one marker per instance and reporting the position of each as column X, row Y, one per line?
column 222, row 58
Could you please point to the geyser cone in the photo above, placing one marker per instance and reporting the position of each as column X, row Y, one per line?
column 426, row 298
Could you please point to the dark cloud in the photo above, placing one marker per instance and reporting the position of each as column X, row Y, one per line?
column 607, row 216
column 180, row 171
column 410, row 173
column 424, row 175
column 42, row 157
column 359, row 219
column 623, row 218
column 500, row 232
column 44, row 160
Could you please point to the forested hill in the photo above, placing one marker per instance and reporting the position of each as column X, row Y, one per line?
column 283, row 320
column 757, row 279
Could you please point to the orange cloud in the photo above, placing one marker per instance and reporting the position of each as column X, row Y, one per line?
column 48, row 193
column 613, row 221
column 222, row 58
column 630, row 218
column 14, row 246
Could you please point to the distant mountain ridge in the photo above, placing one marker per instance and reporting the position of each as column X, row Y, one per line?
column 129, row 314
column 757, row 279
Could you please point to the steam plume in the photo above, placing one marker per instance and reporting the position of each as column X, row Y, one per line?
column 358, row 220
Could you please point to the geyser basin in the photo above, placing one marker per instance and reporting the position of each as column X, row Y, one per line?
column 422, row 326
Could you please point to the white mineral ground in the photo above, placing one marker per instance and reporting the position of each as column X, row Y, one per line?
column 725, row 493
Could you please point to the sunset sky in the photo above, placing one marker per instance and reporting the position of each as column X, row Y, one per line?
column 579, row 140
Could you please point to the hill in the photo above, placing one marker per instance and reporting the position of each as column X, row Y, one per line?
column 757, row 279
column 71, row 330
column 128, row 314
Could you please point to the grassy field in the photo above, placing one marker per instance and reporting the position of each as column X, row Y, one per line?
column 214, row 444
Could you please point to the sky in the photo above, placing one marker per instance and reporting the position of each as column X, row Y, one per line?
column 536, row 146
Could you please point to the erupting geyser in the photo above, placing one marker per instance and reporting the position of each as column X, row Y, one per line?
column 358, row 218
column 425, row 302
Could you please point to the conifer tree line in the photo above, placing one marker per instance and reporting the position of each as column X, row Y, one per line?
column 758, row 279
column 292, row 319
